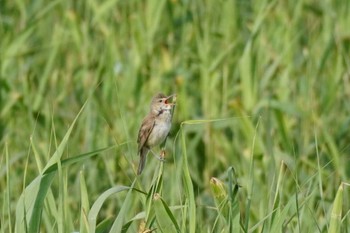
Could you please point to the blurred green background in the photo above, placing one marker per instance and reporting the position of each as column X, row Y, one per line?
column 269, row 80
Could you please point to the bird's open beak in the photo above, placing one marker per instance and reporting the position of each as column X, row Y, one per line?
column 171, row 96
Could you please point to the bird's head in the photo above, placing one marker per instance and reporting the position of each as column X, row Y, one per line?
column 160, row 102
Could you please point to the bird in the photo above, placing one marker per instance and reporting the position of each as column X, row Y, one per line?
column 155, row 127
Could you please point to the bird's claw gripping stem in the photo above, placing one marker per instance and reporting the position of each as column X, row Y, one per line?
column 161, row 156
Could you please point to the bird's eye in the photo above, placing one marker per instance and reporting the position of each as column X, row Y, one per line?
column 160, row 101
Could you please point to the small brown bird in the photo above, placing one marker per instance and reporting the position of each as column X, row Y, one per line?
column 155, row 127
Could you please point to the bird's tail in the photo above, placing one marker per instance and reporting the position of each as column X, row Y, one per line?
column 143, row 155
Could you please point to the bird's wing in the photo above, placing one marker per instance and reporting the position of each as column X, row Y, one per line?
column 145, row 130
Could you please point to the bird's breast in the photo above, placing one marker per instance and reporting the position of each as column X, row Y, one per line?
column 160, row 131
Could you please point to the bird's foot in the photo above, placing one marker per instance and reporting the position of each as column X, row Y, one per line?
column 161, row 156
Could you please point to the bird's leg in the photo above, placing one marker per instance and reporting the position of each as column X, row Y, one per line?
column 161, row 157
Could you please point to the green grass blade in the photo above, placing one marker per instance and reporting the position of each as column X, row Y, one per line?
column 277, row 225
column 31, row 202
column 247, row 77
column 188, row 186
column 119, row 221
column 84, row 205
column 335, row 221
column 96, row 207
column 8, row 189
column 56, row 157
column 220, row 195
column 165, row 219
column 78, row 158
column 234, row 217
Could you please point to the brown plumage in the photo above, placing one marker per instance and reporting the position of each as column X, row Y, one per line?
column 155, row 127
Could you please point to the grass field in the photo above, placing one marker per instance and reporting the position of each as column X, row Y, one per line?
column 260, row 139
